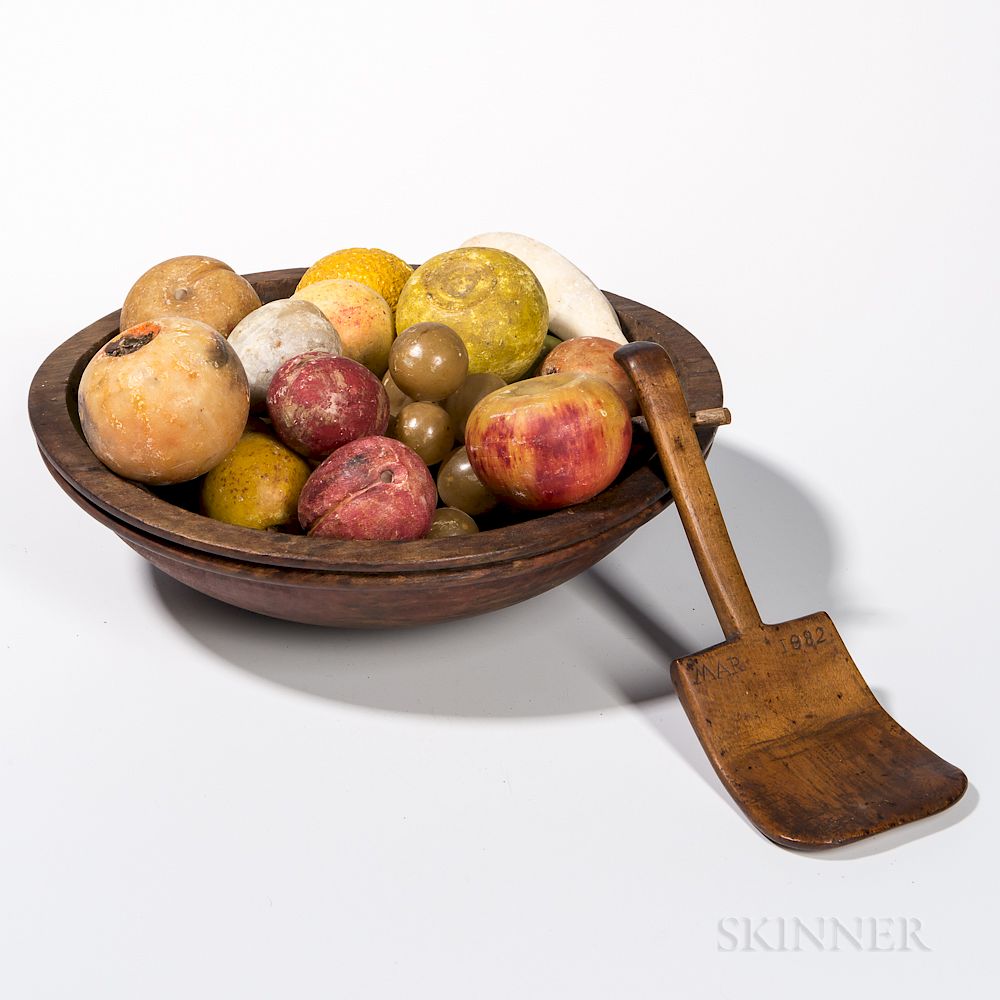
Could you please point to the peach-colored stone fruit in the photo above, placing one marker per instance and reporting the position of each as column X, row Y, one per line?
column 164, row 402
column 592, row 356
column 361, row 317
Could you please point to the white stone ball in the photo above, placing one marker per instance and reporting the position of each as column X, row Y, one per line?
column 266, row 338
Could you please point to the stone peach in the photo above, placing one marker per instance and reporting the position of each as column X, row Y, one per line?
column 164, row 401
column 592, row 356
column 373, row 488
column 360, row 315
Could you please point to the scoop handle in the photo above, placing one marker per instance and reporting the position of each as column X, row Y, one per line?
column 666, row 411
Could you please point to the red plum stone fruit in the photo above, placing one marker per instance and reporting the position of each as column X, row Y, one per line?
column 318, row 402
column 373, row 488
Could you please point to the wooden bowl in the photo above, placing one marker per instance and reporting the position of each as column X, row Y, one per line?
column 358, row 584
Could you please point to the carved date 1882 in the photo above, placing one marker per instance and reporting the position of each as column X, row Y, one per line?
column 807, row 639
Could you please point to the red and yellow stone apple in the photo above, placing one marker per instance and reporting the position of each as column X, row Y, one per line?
column 592, row 356
column 373, row 488
column 318, row 402
column 550, row 441
column 164, row 401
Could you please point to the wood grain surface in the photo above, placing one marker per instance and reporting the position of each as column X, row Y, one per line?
column 784, row 715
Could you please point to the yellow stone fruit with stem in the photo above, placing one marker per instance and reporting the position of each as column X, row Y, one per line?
column 380, row 270
column 489, row 298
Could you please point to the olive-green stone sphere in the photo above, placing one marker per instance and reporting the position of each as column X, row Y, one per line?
column 490, row 298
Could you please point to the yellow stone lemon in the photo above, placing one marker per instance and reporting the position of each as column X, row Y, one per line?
column 490, row 298
column 257, row 485
column 380, row 270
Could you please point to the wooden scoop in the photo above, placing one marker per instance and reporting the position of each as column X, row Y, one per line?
column 785, row 717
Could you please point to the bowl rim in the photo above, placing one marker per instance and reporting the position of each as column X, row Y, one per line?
column 52, row 410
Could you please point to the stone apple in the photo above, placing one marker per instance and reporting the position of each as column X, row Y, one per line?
column 318, row 402
column 373, row 488
column 550, row 441
column 592, row 356
column 164, row 401
column 191, row 287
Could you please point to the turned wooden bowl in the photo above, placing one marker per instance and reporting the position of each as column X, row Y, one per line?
column 359, row 584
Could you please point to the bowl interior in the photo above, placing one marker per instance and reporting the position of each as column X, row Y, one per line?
column 171, row 513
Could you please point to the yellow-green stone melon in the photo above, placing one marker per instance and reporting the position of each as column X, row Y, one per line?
column 490, row 298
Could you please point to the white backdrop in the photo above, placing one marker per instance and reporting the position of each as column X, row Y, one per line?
column 199, row 802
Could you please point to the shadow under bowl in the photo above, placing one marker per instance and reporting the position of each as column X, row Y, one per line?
column 359, row 584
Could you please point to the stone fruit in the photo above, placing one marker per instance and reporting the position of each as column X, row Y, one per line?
column 428, row 361
column 373, row 488
column 450, row 522
column 577, row 307
column 549, row 344
column 550, row 441
column 257, row 485
column 426, row 428
column 193, row 287
column 164, row 401
column 275, row 332
column 318, row 402
column 460, row 403
column 361, row 317
column 460, row 487
column 592, row 356
column 397, row 398
column 489, row 298
column 380, row 270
